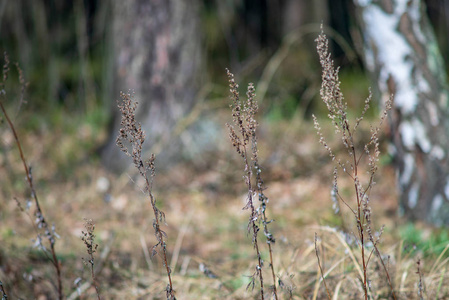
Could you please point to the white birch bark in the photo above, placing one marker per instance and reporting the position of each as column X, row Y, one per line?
column 402, row 53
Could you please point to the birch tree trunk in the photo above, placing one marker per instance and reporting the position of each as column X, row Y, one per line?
column 402, row 53
column 157, row 54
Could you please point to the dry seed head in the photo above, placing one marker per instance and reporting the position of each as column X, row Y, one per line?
column 330, row 91
column 365, row 109
column 89, row 236
column 251, row 110
column 322, row 139
column 131, row 132
column 235, row 140
column 242, row 115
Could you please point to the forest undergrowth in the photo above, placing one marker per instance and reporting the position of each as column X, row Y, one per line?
column 313, row 218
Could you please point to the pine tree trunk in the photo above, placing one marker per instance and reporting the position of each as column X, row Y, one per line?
column 157, row 52
column 402, row 53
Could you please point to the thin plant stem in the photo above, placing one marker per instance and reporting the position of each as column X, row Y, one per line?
column 420, row 281
column 270, row 239
column 253, row 218
column 244, row 140
column 321, row 269
column 88, row 239
column 49, row 232
column 131, row 133
column 333, row 99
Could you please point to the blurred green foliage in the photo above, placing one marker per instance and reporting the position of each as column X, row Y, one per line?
column 61, row 47
column 426, row 242
column 65, row 50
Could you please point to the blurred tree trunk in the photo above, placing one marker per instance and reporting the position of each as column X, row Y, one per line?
column 297, row 13
column 157, row 54
column 402, row 53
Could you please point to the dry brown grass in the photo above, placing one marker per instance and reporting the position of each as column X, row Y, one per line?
column 203, row 212
column 209, row 253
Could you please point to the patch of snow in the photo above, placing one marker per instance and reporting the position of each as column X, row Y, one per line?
column 421, row 82
column 414, row 11
column 103, row 184
column 421, row 136
column 433, row 113
column 437, row 152
column 436, row 203
column 409, row 166
column 407, row 134
column 414, row 134
column 391, row 149
column 413, row 195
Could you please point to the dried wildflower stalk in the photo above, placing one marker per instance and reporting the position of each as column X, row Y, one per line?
column 261, row 210
column 88, row 238
column 420, row 281
column 244, row 140
column 321, row 268
column 337, row 112
column 131, row 133
column 40, row 223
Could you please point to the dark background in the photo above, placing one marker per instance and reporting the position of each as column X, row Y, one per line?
column 65, row 52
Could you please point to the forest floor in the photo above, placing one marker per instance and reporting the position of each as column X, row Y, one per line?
column 210, row 251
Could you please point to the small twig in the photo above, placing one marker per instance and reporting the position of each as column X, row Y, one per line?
column 420, row 283
column 321, row 268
